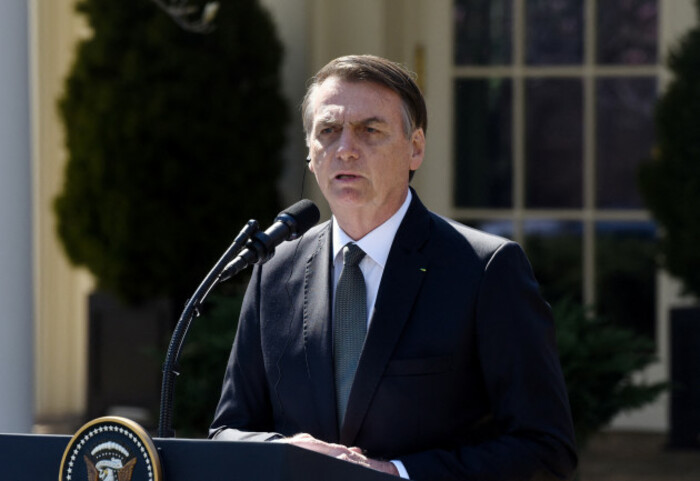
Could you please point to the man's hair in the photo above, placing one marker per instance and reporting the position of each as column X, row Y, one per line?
column 370, row 68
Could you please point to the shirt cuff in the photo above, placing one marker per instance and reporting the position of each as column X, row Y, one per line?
column 401, row 468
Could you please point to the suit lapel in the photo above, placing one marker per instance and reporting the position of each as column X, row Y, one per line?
column 318, row 341
column 401, row 281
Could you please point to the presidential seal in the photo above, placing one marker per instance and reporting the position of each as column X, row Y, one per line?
column 110, row 449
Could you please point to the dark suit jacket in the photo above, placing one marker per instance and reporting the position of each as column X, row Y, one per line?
column 459, row 376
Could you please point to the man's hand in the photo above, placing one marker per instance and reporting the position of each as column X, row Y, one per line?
column 338, row 451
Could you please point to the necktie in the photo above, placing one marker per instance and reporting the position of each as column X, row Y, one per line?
column 350, row 324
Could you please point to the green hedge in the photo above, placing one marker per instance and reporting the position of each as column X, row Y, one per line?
column 670, row 182
column 599, row 360
column 173, row 142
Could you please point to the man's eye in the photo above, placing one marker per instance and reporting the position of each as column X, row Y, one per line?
column 326, row 131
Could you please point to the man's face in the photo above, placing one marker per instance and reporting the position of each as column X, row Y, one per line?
column 359, row 151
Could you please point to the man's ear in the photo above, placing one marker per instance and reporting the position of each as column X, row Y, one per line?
column 417, row 148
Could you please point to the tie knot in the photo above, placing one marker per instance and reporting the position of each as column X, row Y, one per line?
column 352, row 254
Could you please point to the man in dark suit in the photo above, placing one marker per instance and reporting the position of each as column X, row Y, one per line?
column 457, row 376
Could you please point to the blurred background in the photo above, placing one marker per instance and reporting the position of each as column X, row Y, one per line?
column 137, row 138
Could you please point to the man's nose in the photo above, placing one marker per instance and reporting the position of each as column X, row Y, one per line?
column 347, row 145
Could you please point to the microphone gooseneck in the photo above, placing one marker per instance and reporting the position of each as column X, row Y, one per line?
column 250, row 246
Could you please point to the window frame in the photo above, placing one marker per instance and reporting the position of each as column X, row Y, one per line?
column 588, row 72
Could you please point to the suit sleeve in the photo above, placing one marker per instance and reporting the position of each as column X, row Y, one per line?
column 244, row 412
column 533, row 435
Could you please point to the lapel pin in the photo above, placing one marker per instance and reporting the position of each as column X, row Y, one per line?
column 423, row 269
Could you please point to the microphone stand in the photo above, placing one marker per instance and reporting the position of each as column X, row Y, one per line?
column 170, row 366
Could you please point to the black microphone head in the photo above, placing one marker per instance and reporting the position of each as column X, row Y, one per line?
column 305, row 215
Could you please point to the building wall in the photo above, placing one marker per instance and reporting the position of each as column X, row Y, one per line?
column 291, row 17
column 60, row 290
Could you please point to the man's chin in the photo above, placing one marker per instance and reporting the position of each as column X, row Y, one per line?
column 347, row 197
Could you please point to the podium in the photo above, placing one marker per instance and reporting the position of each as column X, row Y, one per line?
column 28, row 457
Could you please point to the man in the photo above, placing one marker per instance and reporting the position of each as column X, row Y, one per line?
column 458, row 376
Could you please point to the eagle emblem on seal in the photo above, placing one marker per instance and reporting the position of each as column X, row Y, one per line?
column 109, row 462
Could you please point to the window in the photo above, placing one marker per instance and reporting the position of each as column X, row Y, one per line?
column 553, row 115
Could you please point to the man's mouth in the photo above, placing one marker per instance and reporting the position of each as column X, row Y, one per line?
column 346, row 176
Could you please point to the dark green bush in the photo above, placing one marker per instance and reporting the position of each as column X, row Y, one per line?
column 174, row 141
column 670, row 182
column 203, row 362
column 599, row 360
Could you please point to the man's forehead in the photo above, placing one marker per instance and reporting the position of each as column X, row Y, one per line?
column 334, row 114
column 340, row 100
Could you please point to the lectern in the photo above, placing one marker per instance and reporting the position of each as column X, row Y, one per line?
column 26, row 457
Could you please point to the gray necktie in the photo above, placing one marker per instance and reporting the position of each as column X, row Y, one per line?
column 350, row 324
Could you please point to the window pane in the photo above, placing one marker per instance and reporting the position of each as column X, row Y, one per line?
column 627, row 32
column 625, row 137
column 555, row 251
column 554, row 143
column 483, row 142
column 554, row 32
column 503, row 228
column 626, row 274
column 483, row 32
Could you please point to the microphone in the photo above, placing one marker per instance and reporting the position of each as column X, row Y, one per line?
column 289, row 224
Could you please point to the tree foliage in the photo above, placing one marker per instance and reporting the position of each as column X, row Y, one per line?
column 670, row 182
column 173, row 142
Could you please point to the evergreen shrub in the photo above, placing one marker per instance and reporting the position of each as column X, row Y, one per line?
column 173, row 142
column 599, row 360
column 670, row 181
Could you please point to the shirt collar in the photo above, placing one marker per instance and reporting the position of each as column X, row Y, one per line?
column 377, row 243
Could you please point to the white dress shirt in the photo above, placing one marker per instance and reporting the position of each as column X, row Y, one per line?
column 376, row 245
